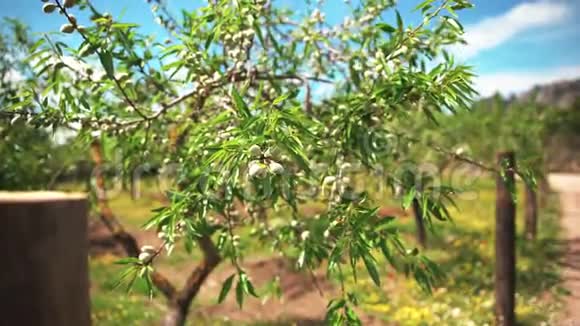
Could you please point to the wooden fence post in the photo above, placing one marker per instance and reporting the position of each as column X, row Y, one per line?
column 505, row 258
column 531, row 213
column 44, row 278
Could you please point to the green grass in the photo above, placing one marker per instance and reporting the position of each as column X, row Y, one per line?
column 113, row 306
column 463, row 249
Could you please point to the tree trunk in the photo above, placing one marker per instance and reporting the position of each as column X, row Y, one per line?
column 420, row 224
column 531, row 213
column 175, row 316
column 180, row 302
column 134, row 188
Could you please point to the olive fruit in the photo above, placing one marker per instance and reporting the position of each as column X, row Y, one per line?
column 67, row 28
column 48, row 8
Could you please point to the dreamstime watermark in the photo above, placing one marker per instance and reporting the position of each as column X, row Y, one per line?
column 156, row 180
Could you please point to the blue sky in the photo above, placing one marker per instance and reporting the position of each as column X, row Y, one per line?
column 514, row 44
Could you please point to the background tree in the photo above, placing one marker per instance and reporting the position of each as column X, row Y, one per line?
column 30, row 157
column 493, row 125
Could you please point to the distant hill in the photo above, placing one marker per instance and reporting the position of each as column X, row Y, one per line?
column 562, row 150
column 563, row 94
column 563, row 146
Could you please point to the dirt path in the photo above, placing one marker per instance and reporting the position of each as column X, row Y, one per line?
column 568, row 185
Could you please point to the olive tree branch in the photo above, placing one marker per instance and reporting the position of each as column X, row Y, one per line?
column 99, row 51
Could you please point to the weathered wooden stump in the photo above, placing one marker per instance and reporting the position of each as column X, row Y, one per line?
column 43, row 266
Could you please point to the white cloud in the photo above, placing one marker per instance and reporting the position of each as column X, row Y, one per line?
column 508, row 83
column 494, row 31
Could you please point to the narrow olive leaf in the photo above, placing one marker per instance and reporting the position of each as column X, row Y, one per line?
column 226, row 288
column 280, row 99
column 129, row 273
column 386, row 28
column 131, row 282
column 258, row 31
column 249, row 287
column 274, row 42
column 454, row 22
column 240, row 293
column 451, row 11
column 334, row 305
column 399, row 21
column 387, row 253
column 209, row 39
column 408, row 199
column 352, row 316
column 372, row 268
column 423, row 4
column 107, row 62
column 127, row 260
column 149, row 284
column 239, row 103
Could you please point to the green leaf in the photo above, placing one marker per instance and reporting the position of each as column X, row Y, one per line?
column 239, row 103
column 334, row 305
column 454, row 23
column 226, row 288
column 124, row 26
column 107, row 62
column 130, row 273
column 247, row 285
column 408, row 199
column 274, row 42
column 386, row 28
column 352, row 316
column 372, row 268
column 127, row 260
column 399, row 21
column 387, row 253
column 451, row 11
column 240, row 293
column 258, row 31
column 280, row 99
column 386, row 224
column 209, row 39
column 423, row 4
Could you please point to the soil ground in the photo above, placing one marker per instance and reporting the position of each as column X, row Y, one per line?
column 303, row 303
